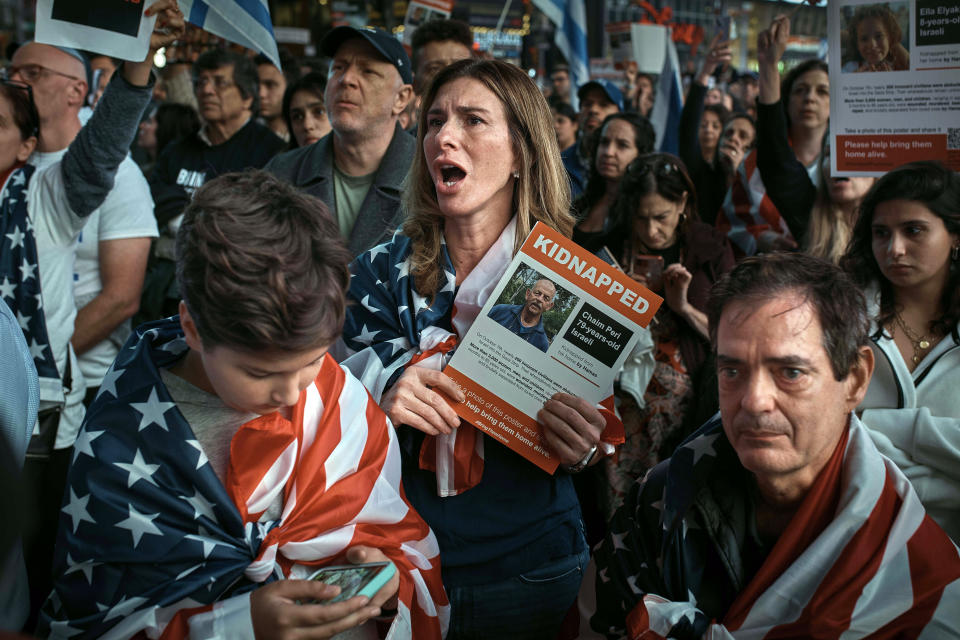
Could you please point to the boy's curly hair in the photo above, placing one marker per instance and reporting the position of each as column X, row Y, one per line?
column 261, row 265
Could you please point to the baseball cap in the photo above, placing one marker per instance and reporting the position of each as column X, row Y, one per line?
column 613, row 91
column 745, row 74
column 388, row 46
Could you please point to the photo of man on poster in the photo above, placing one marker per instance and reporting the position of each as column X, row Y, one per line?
column 526, row 320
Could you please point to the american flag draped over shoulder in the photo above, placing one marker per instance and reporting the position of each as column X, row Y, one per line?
column 859, row 558
column 149, row 536
column 20, row 285
column 391, row 326
column 747, row 210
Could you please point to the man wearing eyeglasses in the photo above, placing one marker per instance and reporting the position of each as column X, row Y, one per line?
column 226, row 86
column 230, row 139
column 59, row 82
column 111, row 254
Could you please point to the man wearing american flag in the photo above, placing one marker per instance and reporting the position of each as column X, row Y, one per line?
column 227, row 456
column 779, row 518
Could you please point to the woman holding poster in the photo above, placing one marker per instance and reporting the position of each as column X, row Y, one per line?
column 511, row 538
column 657, row 224
column 906, row 251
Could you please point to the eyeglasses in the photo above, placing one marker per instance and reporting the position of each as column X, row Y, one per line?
column 34, row 115
column 219, row 83
column 33, row 72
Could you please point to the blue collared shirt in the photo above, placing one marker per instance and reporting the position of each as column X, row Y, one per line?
column 508, row 315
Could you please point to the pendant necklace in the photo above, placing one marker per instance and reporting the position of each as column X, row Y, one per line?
column 919, row 343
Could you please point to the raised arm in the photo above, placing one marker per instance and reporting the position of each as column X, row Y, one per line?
column 689, row 145
column 91, row 162
column 787, row 182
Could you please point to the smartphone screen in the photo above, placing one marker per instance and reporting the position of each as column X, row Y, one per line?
column 651, row 268
column 722, row 26
column 722, row 22
column 355, row 579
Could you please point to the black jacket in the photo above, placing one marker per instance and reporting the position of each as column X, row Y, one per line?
column 185, row 164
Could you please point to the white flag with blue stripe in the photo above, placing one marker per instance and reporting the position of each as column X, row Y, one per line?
column 570, row 18
column 245, row 22
column 668, row 104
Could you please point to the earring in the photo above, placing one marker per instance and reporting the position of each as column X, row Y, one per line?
column 955, row 252
column 516, row 174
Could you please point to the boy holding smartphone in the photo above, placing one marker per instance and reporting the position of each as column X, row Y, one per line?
column 226, row 449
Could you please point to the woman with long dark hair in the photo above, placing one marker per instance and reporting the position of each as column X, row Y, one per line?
column 622, row 137
column 711, row 141
column 304, row 110
column 658, row 238
column 906, row 252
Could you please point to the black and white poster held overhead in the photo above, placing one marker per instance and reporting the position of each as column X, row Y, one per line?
column 116, row 28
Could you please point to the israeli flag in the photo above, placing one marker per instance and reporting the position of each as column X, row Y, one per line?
column 668, row 104
column 245, row 22
column 570, row 18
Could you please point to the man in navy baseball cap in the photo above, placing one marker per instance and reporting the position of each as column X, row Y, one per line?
column 358, row 168
column 386, row 44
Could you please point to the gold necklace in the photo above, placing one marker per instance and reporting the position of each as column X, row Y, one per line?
column 919, row 343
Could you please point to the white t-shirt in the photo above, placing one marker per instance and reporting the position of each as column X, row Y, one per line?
column 57, row 229
column 127, row 212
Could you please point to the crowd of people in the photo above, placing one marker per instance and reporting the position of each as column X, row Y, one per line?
column 223, row 369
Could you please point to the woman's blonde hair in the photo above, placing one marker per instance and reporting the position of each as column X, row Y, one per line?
column 829, row 230
column 541, row 192
column 830, row 226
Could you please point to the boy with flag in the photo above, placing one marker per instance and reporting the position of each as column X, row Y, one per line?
column 227, row 456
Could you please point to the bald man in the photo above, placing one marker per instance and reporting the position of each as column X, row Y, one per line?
column 59, row 82
column 108, row 259
column 526, row 320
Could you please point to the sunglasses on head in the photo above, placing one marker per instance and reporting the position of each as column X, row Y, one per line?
column 659, row 167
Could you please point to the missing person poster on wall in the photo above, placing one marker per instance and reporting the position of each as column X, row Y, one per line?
column 894, row 84
column 420, row 11
column 115, row 28
column 560, row 320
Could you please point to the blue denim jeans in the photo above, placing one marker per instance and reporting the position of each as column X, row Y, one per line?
column 530, row 606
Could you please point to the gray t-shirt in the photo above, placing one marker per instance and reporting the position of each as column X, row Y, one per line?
column 350, row 192
column 214, row 424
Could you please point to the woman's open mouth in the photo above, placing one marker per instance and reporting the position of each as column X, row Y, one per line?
column 451, row 175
